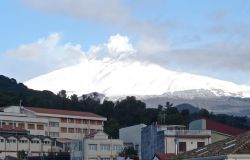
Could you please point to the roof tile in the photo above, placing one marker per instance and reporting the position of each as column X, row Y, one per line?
column 63, row 112
column 223, row 128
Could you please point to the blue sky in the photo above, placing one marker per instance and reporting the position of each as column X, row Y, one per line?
column 203, row 37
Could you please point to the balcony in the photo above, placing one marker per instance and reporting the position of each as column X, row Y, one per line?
column 187, row 133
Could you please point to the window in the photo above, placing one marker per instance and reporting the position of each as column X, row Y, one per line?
column 54, row 134
column 200, row 144
column 78, row 130
column 84, row 121
column 46, row 142
column 92, row 131
column 54, row 124
column 63, row 129
column 182, row 147
column 64, row 120
column 31, row 126
column 1, row 140
column 117, row 147
column 85, row 131
column 71, row 130
column 40, row 127
column 105, row 147
column 23, row 141
column 11, row 141
column 11, row 124
column 92, row 122
column 35, row 141
column 99, row 122
column 21, row 125
column 78, row 121
column 93, row 147
column 71, row 120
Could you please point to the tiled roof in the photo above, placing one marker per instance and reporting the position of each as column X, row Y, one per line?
column 92, row 134
column 234, row 145
column 223, row 128
column 163, row 156
column 63, row 112
column 64, row 140
column 10, row 128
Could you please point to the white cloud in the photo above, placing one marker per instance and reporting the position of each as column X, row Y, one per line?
column 109, row 12
column 36, row 49
column 50, row 51
column 150, row 46
column 40, row 57
column 112, row 13
column 48, row 54
column 119, row 46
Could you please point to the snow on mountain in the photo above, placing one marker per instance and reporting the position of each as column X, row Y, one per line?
column 126, row 77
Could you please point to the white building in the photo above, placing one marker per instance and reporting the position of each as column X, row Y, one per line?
column 96, row 146
column 219, row 130
column 132, row 135
column 171, row 139
column 63, row 124
column 10, row 145
column 233, row 148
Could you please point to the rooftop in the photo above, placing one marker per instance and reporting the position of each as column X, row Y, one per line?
column 63, row 112
column 235, row 145
column 188, row 133
column 163, row 156
column 12, row 129
column 223, row 128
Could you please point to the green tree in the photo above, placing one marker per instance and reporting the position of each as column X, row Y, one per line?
column 111, row 127
column 74, row 98
column 129, row 152
column 62, row 94
column 204, row 113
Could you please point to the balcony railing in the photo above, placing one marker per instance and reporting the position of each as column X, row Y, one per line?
column 187, row 132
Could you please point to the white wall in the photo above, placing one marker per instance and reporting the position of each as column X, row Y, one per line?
column 101, row 153
column 24, row 115
column 132, row 134
column 191, row 143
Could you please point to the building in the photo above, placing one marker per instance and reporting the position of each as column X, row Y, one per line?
column 219, row 131
column 61, row 124
column 15, row 139
column 233, row 148
column 171, row 139
column 96, row 146
column 162, row 156
column 131, row 136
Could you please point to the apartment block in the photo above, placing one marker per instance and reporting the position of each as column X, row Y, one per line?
column 60, row 124
column 96, row 146
column 171, row 139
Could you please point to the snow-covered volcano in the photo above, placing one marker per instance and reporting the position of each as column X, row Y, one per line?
column 119, row 78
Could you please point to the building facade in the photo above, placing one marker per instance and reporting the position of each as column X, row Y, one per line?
column 96, row 146
column 10, row 145
column 219, row 131
column 233, row 148
column 171, row 139
column 132, row 135
column 55, row 123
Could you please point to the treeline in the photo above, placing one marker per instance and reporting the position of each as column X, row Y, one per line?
column 122, row 113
